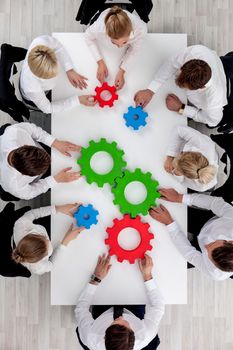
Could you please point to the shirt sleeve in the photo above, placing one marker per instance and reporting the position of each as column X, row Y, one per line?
column 42, row 102
column 62, row 54
column 166, row 71
column 34, row 189
column 37, row 133
column 154, row 310
column 209, row 116
column 91, row 37
column 133, row 48
column 216, row 204
column 182, row 244
column 24, row 223
column 82, row 311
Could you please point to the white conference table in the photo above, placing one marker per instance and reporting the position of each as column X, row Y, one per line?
column 144, row 149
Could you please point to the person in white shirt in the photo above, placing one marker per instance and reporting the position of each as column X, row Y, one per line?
column 213, row 253
column 45, row 57
column 33, row 247
column 200, row 73
column 111, row 331
column 23, row 161
column 192, row 159
column 121, row 28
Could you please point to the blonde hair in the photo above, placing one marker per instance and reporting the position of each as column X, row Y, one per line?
column 31, row 249
column 118, row 24
column 43, row 62
column 194, row 165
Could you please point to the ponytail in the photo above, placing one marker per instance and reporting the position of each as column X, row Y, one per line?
column 17, row 257
column 194, row 165
column 206, row 174
column 117, row 23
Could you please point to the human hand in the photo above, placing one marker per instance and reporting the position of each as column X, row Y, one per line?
column 173, row 103
column 143, row 97
column 168, row 164
column 87, row 100
column 66, row 175
column 120, row 80
column 146, row 266
column 77, row 80
column 65, row 147
column 161, row 214
column 68, row 209
column 71, row 234
column 103, row 266
column 171, row 195
column 102, row 71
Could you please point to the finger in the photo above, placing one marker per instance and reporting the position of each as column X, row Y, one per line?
column 67, row 169
column 109, row 267
column 140, row 264
column 70, row 227
column 84, row 78
column 67, row 154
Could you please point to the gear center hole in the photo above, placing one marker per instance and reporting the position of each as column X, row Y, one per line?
column 86, row 216
column 135, row 192
column 129, row 238
column 101, row 163
column 136, row 117
column 105, row 95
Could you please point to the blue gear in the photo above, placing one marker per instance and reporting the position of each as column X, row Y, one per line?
column 135, row 117
column 86, row 216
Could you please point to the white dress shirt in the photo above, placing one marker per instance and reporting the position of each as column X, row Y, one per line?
column 24, row 226
column 12, row 181
column 34, row 88
column 220, row 227
column 186, row 139
column 92, row 331
column 97, row 33
column 208, row 102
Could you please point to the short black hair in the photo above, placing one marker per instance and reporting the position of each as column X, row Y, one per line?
column 30, row 160
column 118, row 337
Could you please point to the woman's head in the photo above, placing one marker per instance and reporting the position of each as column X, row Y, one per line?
column 43, row 62
column 118, row 26
column 31, row 249
column 194, row 165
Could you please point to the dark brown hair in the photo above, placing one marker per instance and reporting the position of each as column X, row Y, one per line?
column 223, row 257
column 194, row 75
column 118, row 337
column 117, row 23
column 30, row 160
column 31, row 248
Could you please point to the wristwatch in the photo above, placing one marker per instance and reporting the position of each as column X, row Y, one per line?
column 181, row 110
column 95, row 278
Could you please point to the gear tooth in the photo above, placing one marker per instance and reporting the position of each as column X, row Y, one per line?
column 149, row 247
column 120, row 259
column 110, row 252
column 106, row 241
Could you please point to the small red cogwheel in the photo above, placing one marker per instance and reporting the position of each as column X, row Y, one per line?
column 106, row 87
column 139, row 251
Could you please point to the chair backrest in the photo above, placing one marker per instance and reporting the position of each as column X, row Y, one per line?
column 9, row 102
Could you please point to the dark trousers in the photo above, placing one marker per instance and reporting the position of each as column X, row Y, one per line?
column 137, row 310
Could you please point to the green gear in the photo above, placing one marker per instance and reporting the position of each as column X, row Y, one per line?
column 119, row 192
column 101, row 146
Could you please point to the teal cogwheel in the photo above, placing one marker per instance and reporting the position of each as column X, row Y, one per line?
column 101, row 146
column 119, row 192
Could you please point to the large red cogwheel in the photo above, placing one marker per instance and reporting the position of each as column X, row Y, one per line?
column 139, row 251
column 106, row 87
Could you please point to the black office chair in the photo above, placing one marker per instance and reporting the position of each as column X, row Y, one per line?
column 226, row 124
column 90, row 10
column 8, row 217
column 9, row 102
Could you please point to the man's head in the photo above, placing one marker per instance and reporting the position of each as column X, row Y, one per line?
column 119, row 336
column 42, row 62
column 194, row 75
column 221, row 253
column 30, row 160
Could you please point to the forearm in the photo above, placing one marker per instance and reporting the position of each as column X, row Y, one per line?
column 216, row 204
column 212, row 118
column 35, row 189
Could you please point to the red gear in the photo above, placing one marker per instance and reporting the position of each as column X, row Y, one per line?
column 106, row 87
column 139, row 251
